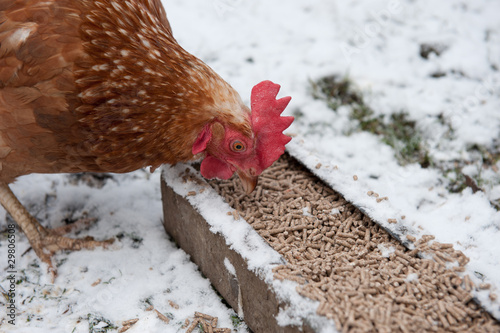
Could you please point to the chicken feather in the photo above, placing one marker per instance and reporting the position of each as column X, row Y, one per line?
column 103, row 86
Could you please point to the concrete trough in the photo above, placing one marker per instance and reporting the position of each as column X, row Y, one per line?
column 235, row 259
column 246, row 292
column 273, row 293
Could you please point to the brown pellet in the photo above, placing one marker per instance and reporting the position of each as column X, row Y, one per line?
column 203, row 315
column 205, row 326
column 332, row 254
column 173, row 304
column 193, row 325
column 162, row 316
column 484, row 286
column 130, row 322
column 411, row 238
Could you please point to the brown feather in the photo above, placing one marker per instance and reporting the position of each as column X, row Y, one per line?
column 101, row 86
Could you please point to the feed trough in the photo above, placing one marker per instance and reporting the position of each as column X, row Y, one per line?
column 296, row 256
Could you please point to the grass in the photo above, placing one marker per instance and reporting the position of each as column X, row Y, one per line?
column 96, row 326
column 396, row 130
column 484, row 158
column 401, row 133
column 236, row 321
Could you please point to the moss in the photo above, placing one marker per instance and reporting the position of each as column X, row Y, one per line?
column 400, row 133
column 489, row 155
column 484, row 158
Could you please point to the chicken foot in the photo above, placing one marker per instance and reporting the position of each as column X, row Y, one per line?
column 76, row 226
column 45, row 242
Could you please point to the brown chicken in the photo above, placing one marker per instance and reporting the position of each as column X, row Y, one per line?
column 102, row 86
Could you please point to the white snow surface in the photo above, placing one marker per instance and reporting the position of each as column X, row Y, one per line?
column 230, row 268
column 143, row 268
column 374, row 42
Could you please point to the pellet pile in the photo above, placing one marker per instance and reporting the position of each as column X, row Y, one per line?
column 205, row 323
column 363, row 278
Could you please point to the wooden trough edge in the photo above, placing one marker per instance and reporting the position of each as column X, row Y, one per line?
column 246, row 290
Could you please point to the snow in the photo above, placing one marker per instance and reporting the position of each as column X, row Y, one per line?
column 230, row 268
column 376, row 44
column 386, row 251
column 412, row 277
column 143, row 268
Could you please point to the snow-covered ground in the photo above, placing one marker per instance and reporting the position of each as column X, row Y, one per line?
column 143, row 268
column 377, row 44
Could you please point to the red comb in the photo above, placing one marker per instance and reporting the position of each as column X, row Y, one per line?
column 267, row 123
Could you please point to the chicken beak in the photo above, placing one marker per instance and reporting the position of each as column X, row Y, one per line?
column 248, row 181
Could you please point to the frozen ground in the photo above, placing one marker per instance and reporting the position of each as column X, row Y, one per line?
column 453, row 97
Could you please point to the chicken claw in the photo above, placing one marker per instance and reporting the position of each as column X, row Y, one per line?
column 46, row 242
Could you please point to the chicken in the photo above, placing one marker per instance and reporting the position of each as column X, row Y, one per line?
column 102, row 86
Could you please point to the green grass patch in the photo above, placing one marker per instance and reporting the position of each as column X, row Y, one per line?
column 98, row 324
column 236, row 321
column 400, row 132
column 396, row 130
column 483, row 158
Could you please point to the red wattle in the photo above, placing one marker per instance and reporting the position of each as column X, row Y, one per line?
column 212, row 167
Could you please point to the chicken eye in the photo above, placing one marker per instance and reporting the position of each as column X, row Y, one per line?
column 237, row 146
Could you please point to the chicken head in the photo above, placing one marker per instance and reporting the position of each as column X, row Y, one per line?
column 228, row 150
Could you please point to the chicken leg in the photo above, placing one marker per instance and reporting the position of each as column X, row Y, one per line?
column 45, row 242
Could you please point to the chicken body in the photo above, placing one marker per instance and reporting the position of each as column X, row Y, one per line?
column 101, row 86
